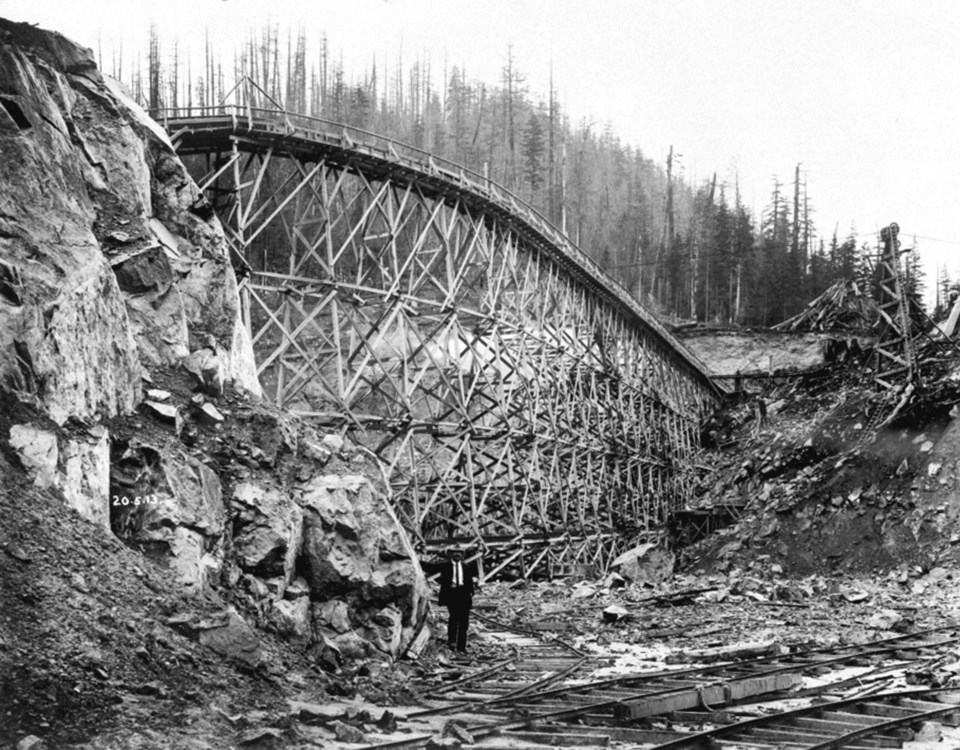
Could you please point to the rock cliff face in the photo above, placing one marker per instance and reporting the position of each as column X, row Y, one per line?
column 111, row 258
column 120, row 330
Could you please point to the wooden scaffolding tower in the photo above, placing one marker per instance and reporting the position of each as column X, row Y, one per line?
column 896, row 358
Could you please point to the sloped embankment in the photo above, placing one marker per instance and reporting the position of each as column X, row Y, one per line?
column 817, row 489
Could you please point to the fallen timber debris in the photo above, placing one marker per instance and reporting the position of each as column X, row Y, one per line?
column 675, row 598
column 728, row 653
column 502, row 715
column 842, row 307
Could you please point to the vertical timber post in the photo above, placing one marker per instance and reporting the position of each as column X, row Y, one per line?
column 515, row 398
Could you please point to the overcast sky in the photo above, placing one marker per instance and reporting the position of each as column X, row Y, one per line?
column 865, row 95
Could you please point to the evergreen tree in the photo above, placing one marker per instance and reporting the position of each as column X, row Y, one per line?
column 533, row 149
column 688, row 251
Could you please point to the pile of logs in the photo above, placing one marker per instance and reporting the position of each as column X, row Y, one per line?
column 842, row 307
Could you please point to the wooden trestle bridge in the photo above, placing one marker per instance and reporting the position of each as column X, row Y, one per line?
column 517, row 397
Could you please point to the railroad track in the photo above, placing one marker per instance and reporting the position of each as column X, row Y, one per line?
column 538, row 664
column 543, row 696
column 858, row 723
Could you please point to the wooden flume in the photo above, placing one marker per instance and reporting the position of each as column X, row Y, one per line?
column 517, row 398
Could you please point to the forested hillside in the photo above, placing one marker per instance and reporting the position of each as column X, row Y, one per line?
column 689, row 251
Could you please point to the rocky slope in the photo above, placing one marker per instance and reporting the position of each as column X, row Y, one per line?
column 824, row 486
column 166, row 540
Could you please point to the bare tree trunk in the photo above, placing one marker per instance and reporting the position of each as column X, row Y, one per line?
column 153, row 102
column 666, row 237
column 551, row 153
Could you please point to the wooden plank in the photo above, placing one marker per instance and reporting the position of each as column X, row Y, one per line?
column 561, row 739
column 909, row 708
column 504, row 742
column 707, row 696
column 625, row 734
column 951, row 720
column 852, row 719
column 887, row 710
column 705, row 717
column 838, row 727
column 922, row 705
column 786, row 733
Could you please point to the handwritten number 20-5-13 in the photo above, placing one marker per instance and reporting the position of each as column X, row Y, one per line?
column 124, row 500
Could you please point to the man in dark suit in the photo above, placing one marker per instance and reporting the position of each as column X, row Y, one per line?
column 456, row 594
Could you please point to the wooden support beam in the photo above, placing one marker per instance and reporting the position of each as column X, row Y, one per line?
column 507, row 388
column 708, row 696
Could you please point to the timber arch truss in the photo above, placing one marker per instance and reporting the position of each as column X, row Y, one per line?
column 513, row 392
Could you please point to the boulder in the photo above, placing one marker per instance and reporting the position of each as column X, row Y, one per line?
column 929, row 731
column 146, row 270
column 38, row 452
column 169, row 505
column 615, row 613
column 208, row 369
column 645, row 563
column 347, row 733
column 383, row 628
column 333, row 615
column 583, row 591
column 291, row 617
column 159, row 323
column 267, row 529
column 225, row 633
column 360, row 566
column 31, row 742
column 209, row 414
column 262, row 738
column 347, row 647
column 85, row 478
column 80, row 467
column 885, row 619
column 333, row 444
column 297, row 588
column 166, row 413
column 270, row 435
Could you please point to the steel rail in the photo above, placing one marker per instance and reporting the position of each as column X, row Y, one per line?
column 858, row 651
column 540, row 683
column 730, row 732
column 708, row 737
column 873, row 648
column 487, row 672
